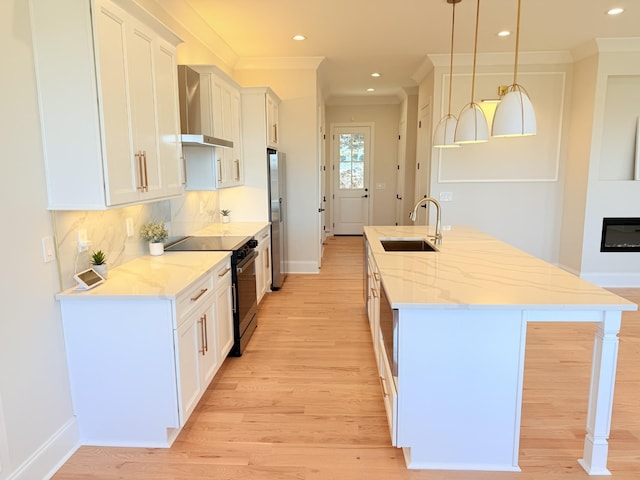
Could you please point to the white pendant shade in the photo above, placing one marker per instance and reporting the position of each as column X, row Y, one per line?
column 445, row 132
column 515, row 115
column 472, row 125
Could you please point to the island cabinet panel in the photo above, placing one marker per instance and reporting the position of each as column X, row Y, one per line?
column 459, row 383
column 459, row 336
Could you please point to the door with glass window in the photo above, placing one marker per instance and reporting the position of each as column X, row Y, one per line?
column 351, row 196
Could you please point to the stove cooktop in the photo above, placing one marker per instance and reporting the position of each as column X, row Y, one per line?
column 206, row 243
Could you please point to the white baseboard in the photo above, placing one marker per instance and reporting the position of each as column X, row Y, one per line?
column 613, row 280
column 302, row 267
column 46, row 461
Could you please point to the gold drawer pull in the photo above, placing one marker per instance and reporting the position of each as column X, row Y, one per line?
column 223, row 273
column 202, row 292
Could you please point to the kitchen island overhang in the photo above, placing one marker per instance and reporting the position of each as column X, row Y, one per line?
column 460, row 337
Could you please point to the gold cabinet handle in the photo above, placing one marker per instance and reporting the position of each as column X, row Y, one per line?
column 140, row 172
column 237, row 163
column 202, row 292
column 384, row 386
column 204, row 333
column 224, row 272
column 145, row 187
column 267, row 257
column 374, row 293
column 219, row 170
column 275, row 132
column 201, row 322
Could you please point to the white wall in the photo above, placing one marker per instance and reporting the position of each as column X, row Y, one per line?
column 509, row 188
column 299, row 131
column 611, row 198
column 40, row 429
column 386, row 119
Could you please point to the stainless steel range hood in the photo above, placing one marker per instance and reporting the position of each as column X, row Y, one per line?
column 192, row 111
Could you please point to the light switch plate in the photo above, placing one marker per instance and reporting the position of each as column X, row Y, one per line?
column 48, row 249
column 446, row 196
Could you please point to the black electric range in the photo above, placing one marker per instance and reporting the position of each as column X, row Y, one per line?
column 243, row 279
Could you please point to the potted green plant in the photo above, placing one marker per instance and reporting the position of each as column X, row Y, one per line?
column 99, row 262
column 226, row 215
column 155, row 233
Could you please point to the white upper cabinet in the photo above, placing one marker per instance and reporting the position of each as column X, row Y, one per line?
column 107, row 84
column 209, row 168
column 272, row 120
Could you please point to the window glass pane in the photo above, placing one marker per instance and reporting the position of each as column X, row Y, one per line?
column 351, row 160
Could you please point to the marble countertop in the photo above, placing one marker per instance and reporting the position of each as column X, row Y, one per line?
column 473, row 270
column 158, row 277
column 232, row 228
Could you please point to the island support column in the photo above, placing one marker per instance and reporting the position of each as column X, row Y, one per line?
column 603, row 377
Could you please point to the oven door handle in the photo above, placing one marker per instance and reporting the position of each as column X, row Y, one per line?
column 246, row 260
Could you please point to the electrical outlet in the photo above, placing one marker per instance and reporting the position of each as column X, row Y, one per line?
column 129, row 226
column 446, row 196
column 83, row 241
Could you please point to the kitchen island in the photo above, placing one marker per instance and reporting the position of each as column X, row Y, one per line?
column 450, row 328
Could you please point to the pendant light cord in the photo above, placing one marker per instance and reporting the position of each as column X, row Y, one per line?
column 515, row 66
column 453, row 27
column 475, row 48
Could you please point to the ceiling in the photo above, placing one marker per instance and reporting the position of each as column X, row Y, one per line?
column 394, row 37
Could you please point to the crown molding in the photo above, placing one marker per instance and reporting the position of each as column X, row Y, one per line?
column 278, row 63
column 335, row 100
column 502, row 58
column 622, row 44
column 192, row 23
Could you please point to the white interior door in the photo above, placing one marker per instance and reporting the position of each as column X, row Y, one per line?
column 350, row 167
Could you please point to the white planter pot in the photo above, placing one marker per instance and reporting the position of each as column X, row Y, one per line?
column 156, row 248
column 101, row 269
column 226, row 219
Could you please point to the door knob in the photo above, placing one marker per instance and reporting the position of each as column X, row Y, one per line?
column 365, row 196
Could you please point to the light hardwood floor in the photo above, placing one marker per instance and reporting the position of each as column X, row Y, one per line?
column 304, row 401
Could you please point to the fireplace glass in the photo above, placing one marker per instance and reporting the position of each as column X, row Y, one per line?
column 620, row 235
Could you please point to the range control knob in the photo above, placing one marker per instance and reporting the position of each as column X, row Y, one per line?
column 253, row 243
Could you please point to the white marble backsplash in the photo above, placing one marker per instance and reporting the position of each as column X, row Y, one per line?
column 107, row 231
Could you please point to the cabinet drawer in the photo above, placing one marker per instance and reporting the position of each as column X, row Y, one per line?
column 195, row 296
column 221, row 272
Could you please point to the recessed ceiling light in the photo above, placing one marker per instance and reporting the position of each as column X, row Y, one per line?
column 375, row 74
column 504, row 33
column 615, row 11
column 371, row 89
column 299, row 38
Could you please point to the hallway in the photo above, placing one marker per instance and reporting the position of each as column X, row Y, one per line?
column 304, row 401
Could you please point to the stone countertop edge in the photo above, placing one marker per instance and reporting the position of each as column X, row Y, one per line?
column 151, row 277
column 474, row 271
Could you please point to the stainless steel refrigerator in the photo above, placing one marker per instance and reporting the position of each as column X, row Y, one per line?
column 277, row 217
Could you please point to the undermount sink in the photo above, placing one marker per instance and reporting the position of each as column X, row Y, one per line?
column 407, row 245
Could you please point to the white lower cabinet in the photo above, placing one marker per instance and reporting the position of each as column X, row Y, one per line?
column 224, row 313
column 197, row 357
column 263, row 262
column 389, row 391
column 138, row 365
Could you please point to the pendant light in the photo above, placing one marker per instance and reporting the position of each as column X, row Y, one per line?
column 445, row 131
column 472, row 124
column 515, row 115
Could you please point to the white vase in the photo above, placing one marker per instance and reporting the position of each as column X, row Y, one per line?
column 101, row 269
column 156, row 248
column 226, row 219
